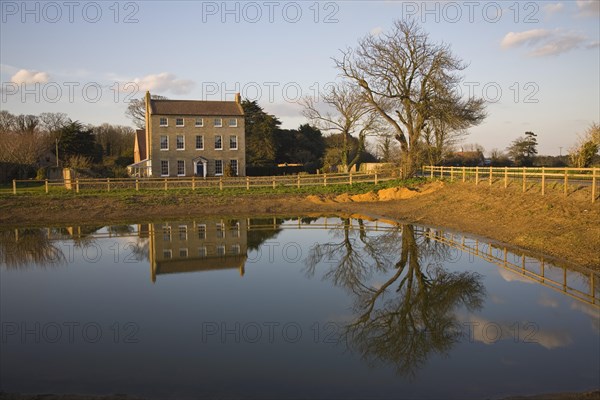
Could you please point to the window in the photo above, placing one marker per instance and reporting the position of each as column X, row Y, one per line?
column 178, row 121
column 166, row 233
column 221, row 251
column 180, row 167
column 235, row 249
column 201, row 251
column 233, row 143
column 218, row 142
column 180, row 142
column 220, row 231
column 183, row 253
column 233, row 122
column 234, row 229
column 218, row 122
column 167, row 253
column 199, row 142
column 164, row 167
column 164, row 121
column 164, row 142
column 201, row 232
column 182, row 232
column 218, row 167
column 233, row 166
column 199, row 123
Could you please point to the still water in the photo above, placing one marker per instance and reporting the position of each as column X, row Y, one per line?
column 290, row 308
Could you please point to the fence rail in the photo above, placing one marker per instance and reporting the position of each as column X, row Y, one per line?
column 197, row 183
column 524, row 175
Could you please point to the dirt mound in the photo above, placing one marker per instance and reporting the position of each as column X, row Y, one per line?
column 366, row 197
column 343, row 198
column 396, row 194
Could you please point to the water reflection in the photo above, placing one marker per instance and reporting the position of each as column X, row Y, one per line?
column 410, row 315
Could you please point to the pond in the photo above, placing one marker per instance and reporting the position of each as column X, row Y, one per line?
column 327, row 307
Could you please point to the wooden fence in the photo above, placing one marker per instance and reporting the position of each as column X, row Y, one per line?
column 523, row 175
column 197, row 183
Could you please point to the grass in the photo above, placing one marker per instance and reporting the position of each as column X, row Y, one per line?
column 128, row 194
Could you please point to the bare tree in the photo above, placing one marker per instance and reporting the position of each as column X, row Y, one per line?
column 351, row 114
column 53, row 122
column 136, row 110
column 409, row 80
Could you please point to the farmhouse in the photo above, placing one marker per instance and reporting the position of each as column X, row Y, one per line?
column 190, row 138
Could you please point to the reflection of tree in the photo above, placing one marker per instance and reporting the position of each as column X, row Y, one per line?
column 28, row 246
column 120, row 230
column 256, row 237
column 410, row 315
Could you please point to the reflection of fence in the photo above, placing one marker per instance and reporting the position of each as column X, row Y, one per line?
column 198, row 183
column 520, row 264
column 506, row 175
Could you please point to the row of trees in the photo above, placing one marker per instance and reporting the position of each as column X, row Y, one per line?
column 30, row 143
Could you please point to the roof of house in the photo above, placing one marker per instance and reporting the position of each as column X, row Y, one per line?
column 196, row 107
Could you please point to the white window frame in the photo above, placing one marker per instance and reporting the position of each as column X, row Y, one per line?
column 167, row 253
column 178, row 163
column 183, row 252
column 221, row 252
column 160, row 121
column 218, row 122
column 183, row 232
column 221, row 140
column 182, row 142
column 236, row 142
column 161, row 142
column 202, row 251
column 237, row 166
column 202, row 231
column 234, row 124
column 199, row 123
column 177, row 125
column 236, row 249
column 222, row 168
column 166, row 233
column 161, row 167
column 202, row 139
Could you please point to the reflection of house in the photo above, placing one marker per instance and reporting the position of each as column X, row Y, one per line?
column 198, row 246
column 191, row 137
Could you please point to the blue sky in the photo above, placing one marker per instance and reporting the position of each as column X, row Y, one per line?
column 537, row 63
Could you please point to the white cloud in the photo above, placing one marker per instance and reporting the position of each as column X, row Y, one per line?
column 589, row 8
column 376, row 31
column 544, row 42
column 28, row 77
column 552, row 8
column 592, row 45
column 162, row 83
column 512, row 39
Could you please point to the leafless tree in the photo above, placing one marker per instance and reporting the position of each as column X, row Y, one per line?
column 348, row 114
column 410, row 81
column 136, row 110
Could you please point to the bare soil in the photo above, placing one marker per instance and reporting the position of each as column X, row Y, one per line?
column 567, row 228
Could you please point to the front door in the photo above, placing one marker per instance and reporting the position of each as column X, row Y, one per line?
column 199, row 169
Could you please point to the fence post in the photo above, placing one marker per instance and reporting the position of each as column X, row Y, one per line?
column 298, row 181
column 350, row 181
column 543, row 181
column 166, row 184
column 505, row 177
column 566, row 185
column 431, row 167
column 46, row 185
column 324, row 179
column 137, row 185
column 220, row 183
column 491, row 174
column 77, row 185
column 464, row 174
column 451, row 174
column 376, row 181
column 108, row 184
column 476, row 176
column 193, row 183
column 273, row 182
column 442, row 172
column 594, row 185
column 524, row 179
column 14, row 186
column 247, row 183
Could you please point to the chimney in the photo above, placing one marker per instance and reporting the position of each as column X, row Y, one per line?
column 238, row 98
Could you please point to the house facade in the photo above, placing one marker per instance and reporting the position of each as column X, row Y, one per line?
column 192, row 138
